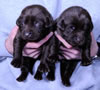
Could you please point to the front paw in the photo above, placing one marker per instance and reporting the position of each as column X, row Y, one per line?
column 66, row 83
column 43, row 68
column 52, row 59
column 51, row 76
column 16, row 63
column 22, row 77
column 86, row 63
column 38, row 75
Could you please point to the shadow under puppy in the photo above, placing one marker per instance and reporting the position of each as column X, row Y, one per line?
column 34, row 24
column 75, row 26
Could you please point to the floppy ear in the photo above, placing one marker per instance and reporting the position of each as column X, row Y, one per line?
column 60, row 24
column 91, row 26
column 19, row 21
column 49, row 21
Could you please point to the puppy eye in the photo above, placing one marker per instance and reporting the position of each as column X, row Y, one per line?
column 72, row 27
column 37, row 24
column 22, row 24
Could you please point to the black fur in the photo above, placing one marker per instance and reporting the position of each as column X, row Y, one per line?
column 34, row 24
column 75, row 26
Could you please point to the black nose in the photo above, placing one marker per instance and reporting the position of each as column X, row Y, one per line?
column 28, row 34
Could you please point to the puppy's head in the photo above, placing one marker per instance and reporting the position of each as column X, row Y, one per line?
column 34, row 23
column 75, row 25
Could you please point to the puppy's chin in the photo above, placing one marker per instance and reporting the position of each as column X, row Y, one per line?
column 31, row 39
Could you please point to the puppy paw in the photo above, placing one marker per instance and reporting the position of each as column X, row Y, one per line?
column 38, row 75
column 43, row 68
column 86, row 63
column 16, row 63
column 51, row 76
column 66, row 83
column 52, row 59
column 22, row 77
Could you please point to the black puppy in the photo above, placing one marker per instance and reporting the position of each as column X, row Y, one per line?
column 34, row 24
column 75, row 26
